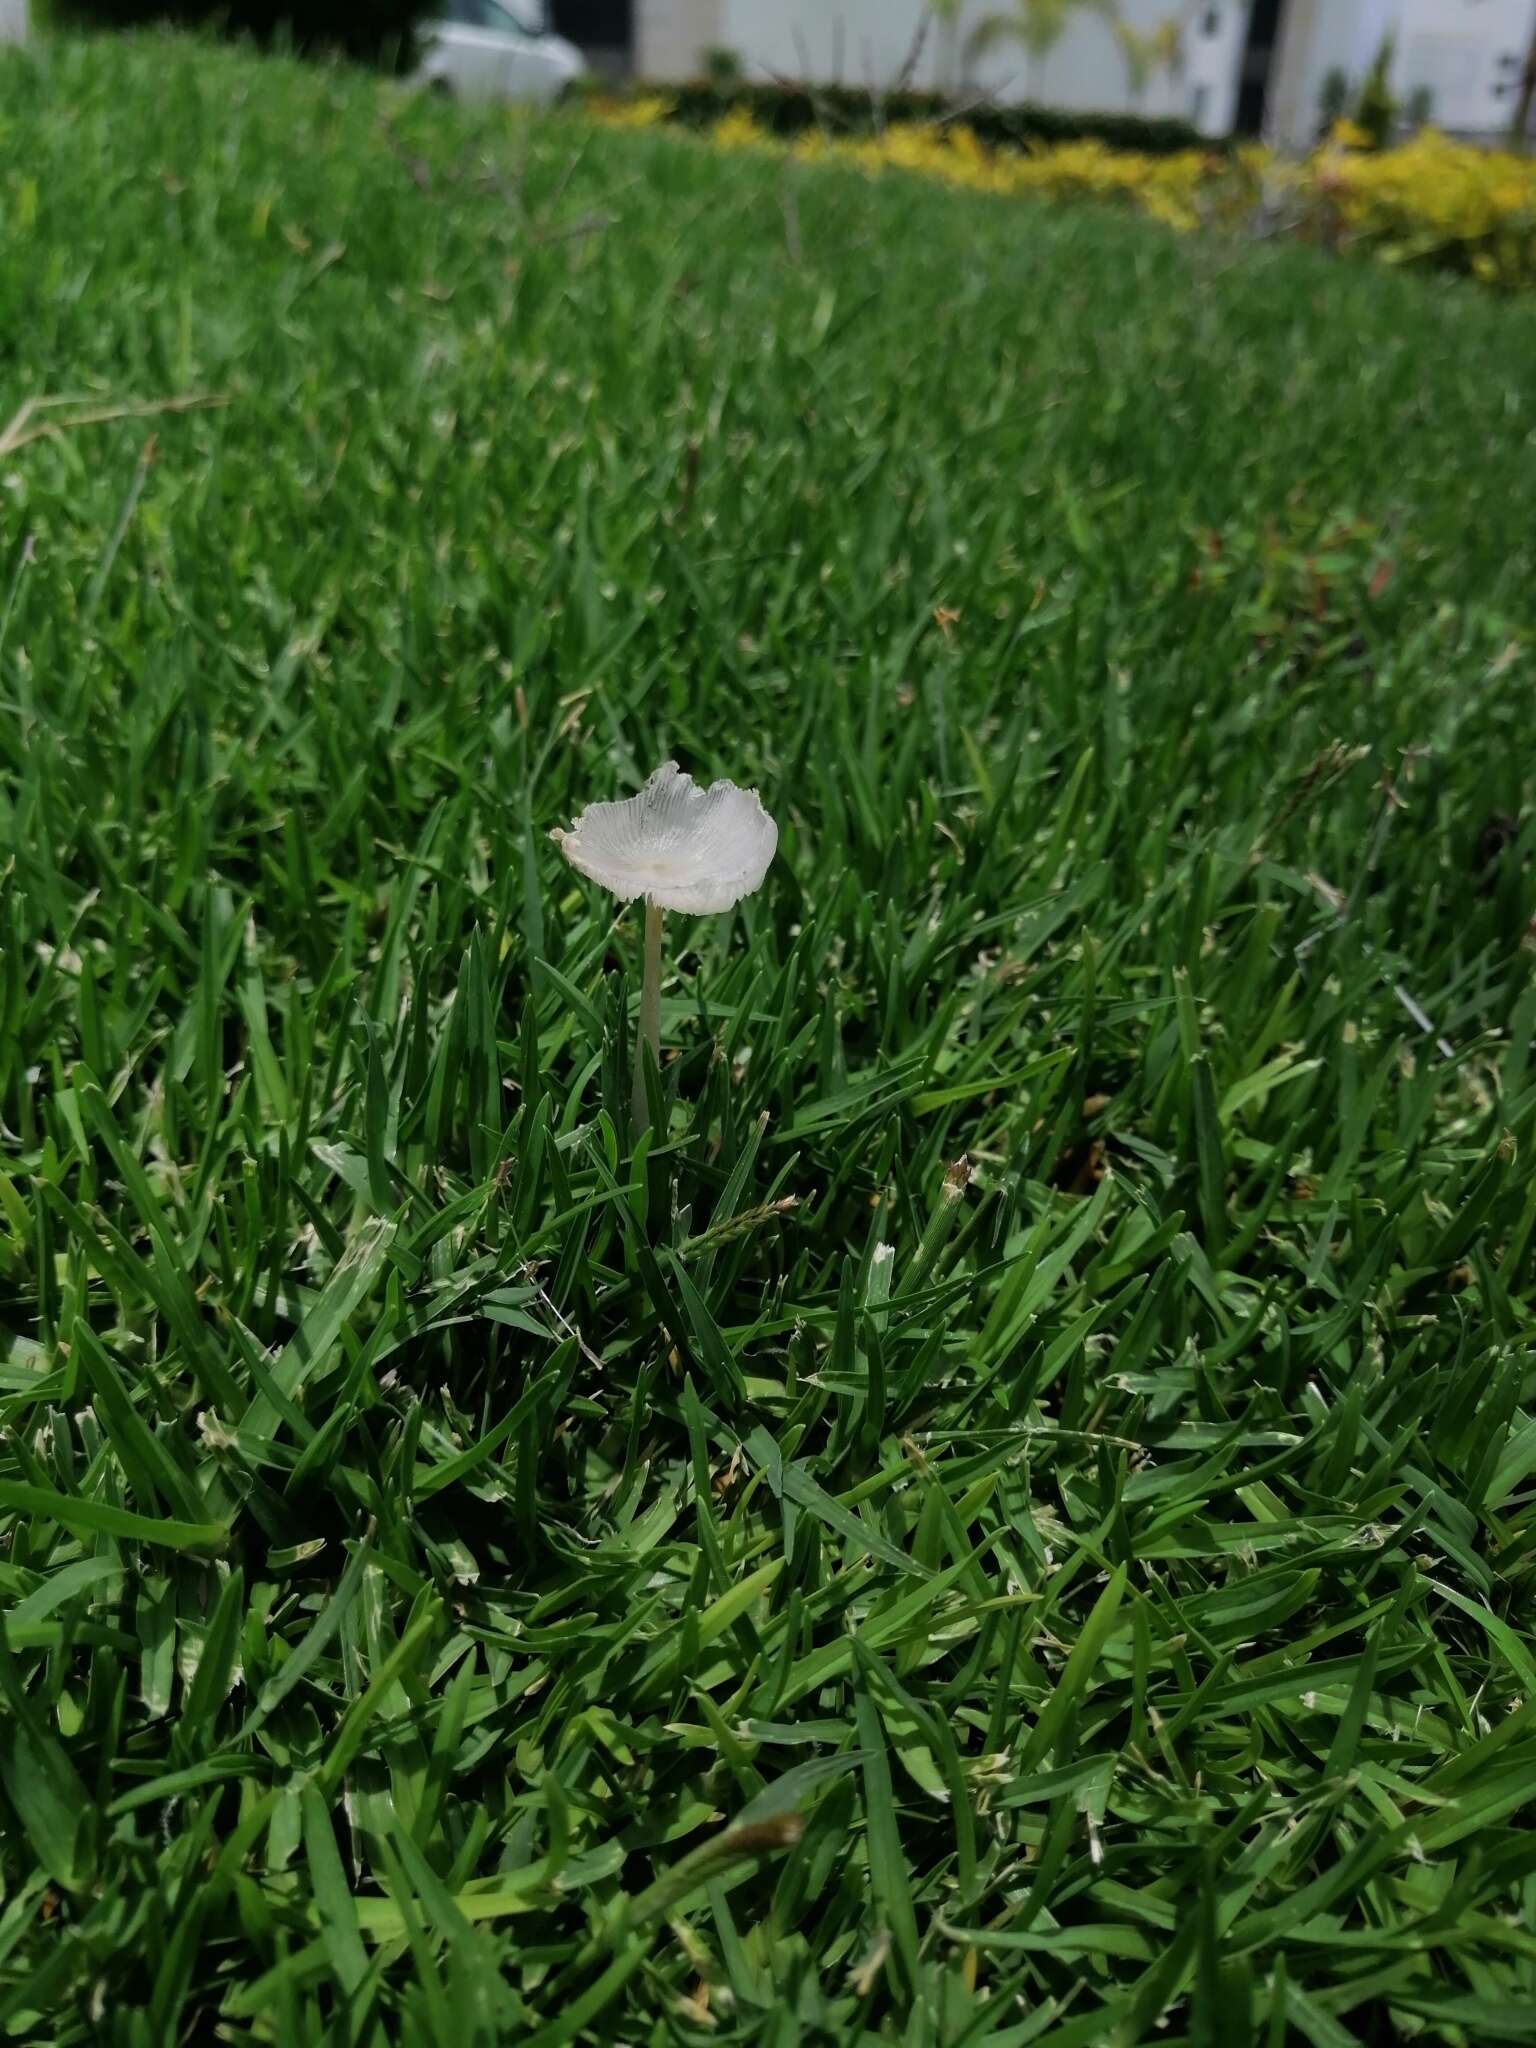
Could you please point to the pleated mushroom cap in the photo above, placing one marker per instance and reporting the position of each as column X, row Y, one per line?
column 678, row 846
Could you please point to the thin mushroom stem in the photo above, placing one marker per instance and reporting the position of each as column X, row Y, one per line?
column 649, row 1033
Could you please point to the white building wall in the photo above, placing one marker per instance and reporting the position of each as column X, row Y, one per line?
column 1085, row 70
column 851, row 42
column 1316, row 37
column 1213, row 62
column 871, row 43
column 1462, row 50
column 671, row 36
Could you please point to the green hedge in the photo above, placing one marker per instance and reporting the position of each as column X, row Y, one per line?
column 788, row 109
column 372, row 31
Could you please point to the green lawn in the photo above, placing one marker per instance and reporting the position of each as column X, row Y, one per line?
column 449, row 1553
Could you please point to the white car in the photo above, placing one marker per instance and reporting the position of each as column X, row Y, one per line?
column 484, row 50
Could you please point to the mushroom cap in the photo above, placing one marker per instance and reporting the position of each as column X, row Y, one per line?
column 679, row 846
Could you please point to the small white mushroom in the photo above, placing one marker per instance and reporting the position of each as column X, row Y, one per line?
column 681, row 848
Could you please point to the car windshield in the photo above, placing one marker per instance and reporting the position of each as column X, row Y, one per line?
column 526, row 18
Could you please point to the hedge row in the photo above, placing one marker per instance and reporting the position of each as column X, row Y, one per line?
column 786, row 110
column 371, row 31
column 1430, row 200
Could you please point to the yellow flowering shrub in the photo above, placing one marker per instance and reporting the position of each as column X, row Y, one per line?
column 1347, row 134
column 1184, row 190
column 643, row 110
column 1432, row 200
column 738, row 130
column 1427, row 200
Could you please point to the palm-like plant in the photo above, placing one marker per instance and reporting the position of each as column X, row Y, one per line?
column 1149, row 50
column 947, row 14
column 1038, row 25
